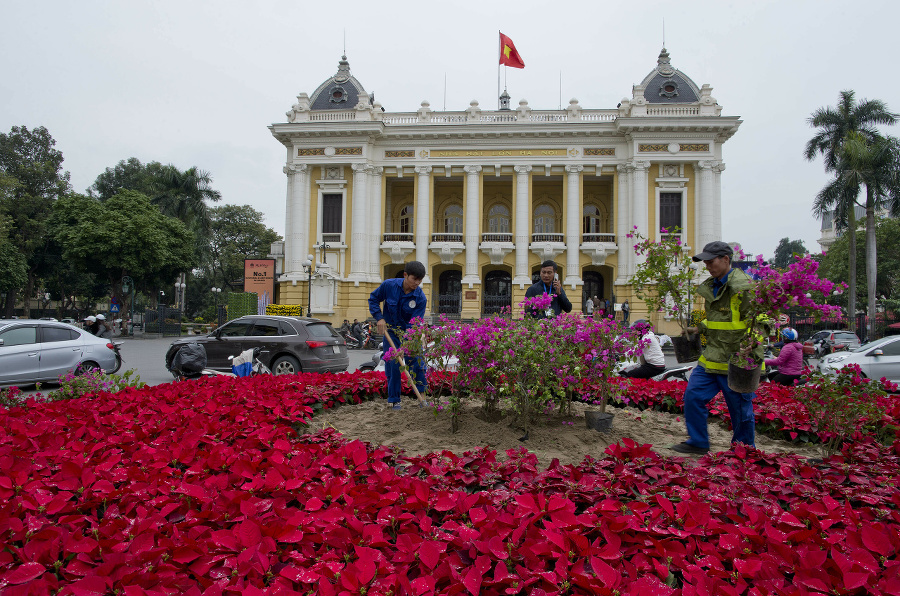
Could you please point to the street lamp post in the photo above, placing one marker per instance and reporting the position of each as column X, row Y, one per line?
column 308, row 267
column 216, row 292
column 179, row 296
column 128, row 288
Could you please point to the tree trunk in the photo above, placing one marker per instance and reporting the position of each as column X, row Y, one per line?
column 851, row 247
column 871, row 259
column 26, row 299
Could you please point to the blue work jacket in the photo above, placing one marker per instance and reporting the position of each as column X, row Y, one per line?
column 399, row 308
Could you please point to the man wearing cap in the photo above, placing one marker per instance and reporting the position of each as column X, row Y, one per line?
column 90, row 324
column 727, row 311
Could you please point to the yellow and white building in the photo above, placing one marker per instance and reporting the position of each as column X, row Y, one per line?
column 482, row 197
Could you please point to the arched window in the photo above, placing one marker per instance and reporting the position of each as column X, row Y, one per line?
column 544, row 220
column 498, row 220
column 453, row 219
column 593, row 221
column 406, row 217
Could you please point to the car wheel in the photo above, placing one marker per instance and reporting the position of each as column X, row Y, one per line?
column 86, row 367
column 368, row 367
column 118, row 365
column 285, row 365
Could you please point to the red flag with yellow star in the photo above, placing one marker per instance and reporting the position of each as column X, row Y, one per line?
column 509, row 55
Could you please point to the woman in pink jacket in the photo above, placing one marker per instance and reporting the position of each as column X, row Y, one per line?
column 790, row 360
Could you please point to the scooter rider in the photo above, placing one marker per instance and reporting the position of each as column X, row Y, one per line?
column 789, row 360
column 652, row 360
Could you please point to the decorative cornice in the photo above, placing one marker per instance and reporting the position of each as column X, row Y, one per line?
column 694, row 147
column 652, row 147
column 301, row 152
column 348, row 151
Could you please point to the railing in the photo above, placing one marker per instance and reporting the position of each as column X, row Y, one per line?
column 449, row 304
column 546, row 237
column 494, row 116
column 446, row 237
column 331, row 238
column 665, row 237
column 494, row 305
column 496, row 237
column 329, row 116
column 585, row 238
column 673, row 110
column 394, row 237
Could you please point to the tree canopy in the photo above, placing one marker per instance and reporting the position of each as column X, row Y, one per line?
column 34, row 179
column 126, row 235
column 785, row 251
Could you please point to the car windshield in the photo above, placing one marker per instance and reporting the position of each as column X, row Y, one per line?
column 846, row 336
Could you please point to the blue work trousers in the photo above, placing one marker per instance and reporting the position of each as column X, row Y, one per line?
column 702, row 387
column 395, row 375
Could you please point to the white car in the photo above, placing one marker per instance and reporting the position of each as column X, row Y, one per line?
column 876, row 359
column 34, row 350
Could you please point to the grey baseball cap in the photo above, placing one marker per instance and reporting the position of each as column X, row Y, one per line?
column 713, row 250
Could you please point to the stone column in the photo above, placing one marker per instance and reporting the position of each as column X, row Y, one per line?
column 288, row 219
column 359, row 223
column 297, row 240
column 423, row 229
column 473, row 216
column 573, row 221
column 639, row 206
column 375, row 219
column 522, row 223
column 623, row 224
column 707, row 222
column 388, row 209
column 717, row 201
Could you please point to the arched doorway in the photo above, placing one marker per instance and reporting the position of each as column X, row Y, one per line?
column 449, row 297
column 497, row 292
column 593, row 286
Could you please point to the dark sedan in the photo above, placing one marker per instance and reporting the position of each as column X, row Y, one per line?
column 287, row 345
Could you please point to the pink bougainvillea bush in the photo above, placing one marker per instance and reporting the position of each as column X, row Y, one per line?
column 207, row 488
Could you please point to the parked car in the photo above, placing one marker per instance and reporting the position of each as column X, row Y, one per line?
column 829, row 341
column 876, row 359
column 288, row 345
column 32, row 350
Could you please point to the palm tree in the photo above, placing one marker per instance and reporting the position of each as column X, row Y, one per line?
column 183, row 195
column 835, row 125
column 875, row 165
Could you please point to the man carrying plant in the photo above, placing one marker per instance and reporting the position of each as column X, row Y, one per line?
column 548, row 284
column 728, row 305
column 403, row 301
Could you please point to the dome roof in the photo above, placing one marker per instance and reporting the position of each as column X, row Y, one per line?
column 339, row 92
column 665, row 84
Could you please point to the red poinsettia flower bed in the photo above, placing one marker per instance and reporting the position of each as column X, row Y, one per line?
column 207, row 488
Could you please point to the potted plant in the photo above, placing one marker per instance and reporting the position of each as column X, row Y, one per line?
column 665, row 281
column 773, row 293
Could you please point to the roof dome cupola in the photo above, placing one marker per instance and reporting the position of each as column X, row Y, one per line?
column 666, row 84
column 504, row 100
column 339, row 92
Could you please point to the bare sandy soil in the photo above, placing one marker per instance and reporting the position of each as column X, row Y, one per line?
column 420, row 430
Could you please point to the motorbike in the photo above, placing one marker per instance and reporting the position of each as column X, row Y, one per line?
column 190, row 363
column 116, row 346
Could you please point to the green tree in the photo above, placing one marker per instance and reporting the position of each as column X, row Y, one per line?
column 785, row 252
column 874, row 164
column 835, row 126
column 237, row 233
column 834, row 264
column 183, row 195
column 34, row 180
column 126, row 235
column 128, row 174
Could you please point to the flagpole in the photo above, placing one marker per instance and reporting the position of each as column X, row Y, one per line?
column 499, row 55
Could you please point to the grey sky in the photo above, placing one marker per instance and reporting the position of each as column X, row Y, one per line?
column 197, row 83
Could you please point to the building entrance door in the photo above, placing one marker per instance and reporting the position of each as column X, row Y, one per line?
column 497, row 292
